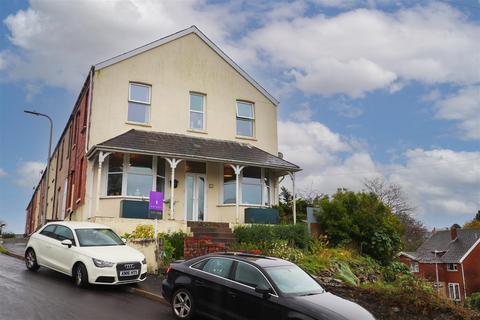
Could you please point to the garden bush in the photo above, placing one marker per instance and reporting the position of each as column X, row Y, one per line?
column 296, row 235
column 7, row 235
column 474, row 301
column 282, row 250
column 176, row 240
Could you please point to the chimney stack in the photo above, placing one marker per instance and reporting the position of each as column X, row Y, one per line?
column 453, row 232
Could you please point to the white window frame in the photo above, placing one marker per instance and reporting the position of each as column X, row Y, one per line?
column 125, row 178
column 414, row 266
column 240, row 200
column 454, row 265
column 149, row 104
column 453, row 289
column 204, row 98
column 252, row 118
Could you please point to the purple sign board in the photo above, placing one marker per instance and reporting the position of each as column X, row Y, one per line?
column 156, row 201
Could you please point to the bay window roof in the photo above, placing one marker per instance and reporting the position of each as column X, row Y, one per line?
column 195, row 148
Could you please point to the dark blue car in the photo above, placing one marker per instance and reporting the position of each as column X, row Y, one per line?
column 241, row 286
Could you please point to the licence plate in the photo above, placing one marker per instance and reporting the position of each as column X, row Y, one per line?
column 128, row 273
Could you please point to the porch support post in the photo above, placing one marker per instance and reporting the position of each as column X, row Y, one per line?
column 101, row 158
column 292, row 176
column 237, row 169
column 173, row 164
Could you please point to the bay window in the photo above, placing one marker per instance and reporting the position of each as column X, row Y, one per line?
column 245, row 119
column 254, row 183
column 134, row 175
column 139, row 100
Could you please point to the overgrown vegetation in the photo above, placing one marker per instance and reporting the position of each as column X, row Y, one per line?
column 7, row 235
column 474, row 301
column 474, row 223
column 264, row 235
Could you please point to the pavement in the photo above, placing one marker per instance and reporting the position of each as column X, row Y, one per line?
column 46, row 294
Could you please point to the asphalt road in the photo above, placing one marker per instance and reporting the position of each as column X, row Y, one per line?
column 49, row 295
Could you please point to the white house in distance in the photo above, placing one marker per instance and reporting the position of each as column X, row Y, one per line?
column 177, row 117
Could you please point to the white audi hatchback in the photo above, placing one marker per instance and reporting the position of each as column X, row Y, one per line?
column 90, row 253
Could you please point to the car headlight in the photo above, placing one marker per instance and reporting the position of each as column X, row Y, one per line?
column 102, row 264
column 144, row 261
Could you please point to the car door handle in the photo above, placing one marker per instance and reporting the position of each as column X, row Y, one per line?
column 199, row 282
column 232, row 294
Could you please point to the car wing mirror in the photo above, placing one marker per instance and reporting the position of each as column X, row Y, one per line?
column 263, row 290
column 124, row 240
column 67, row 242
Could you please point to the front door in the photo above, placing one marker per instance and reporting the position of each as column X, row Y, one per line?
column 195, row 184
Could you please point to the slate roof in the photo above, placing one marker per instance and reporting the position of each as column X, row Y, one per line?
column 448, row 251
column 195, row 148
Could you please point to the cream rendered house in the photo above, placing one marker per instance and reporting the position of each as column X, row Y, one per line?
column 176, row 116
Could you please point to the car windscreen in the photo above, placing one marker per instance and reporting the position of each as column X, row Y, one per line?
column 293, row 280
column 98, row 237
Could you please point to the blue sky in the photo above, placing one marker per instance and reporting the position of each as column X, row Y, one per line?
column 368, row 88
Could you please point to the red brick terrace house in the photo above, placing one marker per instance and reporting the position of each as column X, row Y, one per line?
column 450, row 258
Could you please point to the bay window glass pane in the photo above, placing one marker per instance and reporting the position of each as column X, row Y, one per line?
column 139, row 185
column 160, row 167
column 138, row 112
column 196, row 102
column 114, row 184
column 139, row 93
column 229, row 192
column 244, row 127
column 115, row 162
column 160, row 184
column 245, row 110
column 196, row 120
column 252, row 175
column 251, row 193
column 140, row 164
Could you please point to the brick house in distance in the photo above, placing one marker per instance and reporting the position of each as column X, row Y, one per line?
column 451, row 259
column 177, row 117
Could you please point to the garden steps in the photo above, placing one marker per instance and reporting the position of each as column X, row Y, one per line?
column 216, row 232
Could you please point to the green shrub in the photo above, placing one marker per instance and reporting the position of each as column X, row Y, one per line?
column 245, row 247
column 143, row 231
column 474, row 301
column 176, row 240
column 282, row 250
column 296, row 235
column 7, row 235
column 393, row 270
column 168, row 252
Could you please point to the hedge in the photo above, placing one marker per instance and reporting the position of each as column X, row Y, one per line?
column 296, row 235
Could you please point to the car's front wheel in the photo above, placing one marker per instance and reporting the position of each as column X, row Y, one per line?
column 80, row 275
column 183, row 306
column 31, row 260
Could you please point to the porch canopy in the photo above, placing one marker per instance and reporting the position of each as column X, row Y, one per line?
column 177, row 147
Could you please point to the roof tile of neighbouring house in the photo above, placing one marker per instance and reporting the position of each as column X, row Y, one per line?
column 448, row 251
column 188, row 147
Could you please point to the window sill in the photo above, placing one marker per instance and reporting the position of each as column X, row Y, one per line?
column 197, row 131
column 242, row 205
column 246, row 138
column 125, row 197
column 138, row 124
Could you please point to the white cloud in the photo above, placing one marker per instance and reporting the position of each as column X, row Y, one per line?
column 3, row 173
column 29, row 173
column 303, row 114
column 58, row 41
column 438, row 181
column 463, row 107
column 363, row 50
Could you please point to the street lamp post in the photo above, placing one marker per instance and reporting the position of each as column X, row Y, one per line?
column 45, row 192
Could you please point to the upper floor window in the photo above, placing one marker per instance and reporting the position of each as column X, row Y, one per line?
column 197, row 111
column 452, row 267
column 245, row 119
column 139, row 96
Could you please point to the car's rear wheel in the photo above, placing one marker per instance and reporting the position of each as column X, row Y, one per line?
column 31, row 260
column 80, row 275
column 183, row 306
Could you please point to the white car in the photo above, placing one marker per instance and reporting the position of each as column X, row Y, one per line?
column 90, row 253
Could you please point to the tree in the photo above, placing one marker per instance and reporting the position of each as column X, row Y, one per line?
column 2, row 225
column 362, row 221
column 473, row 224
column 393, row 197
column 285, row 207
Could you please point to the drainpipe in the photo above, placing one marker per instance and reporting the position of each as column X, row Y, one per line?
column 464, row 286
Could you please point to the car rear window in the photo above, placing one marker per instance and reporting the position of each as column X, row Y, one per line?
column 217, row 266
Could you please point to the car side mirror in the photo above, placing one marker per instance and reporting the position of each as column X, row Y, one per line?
column 67, row 242
column 124, row 240
column 263, row 290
